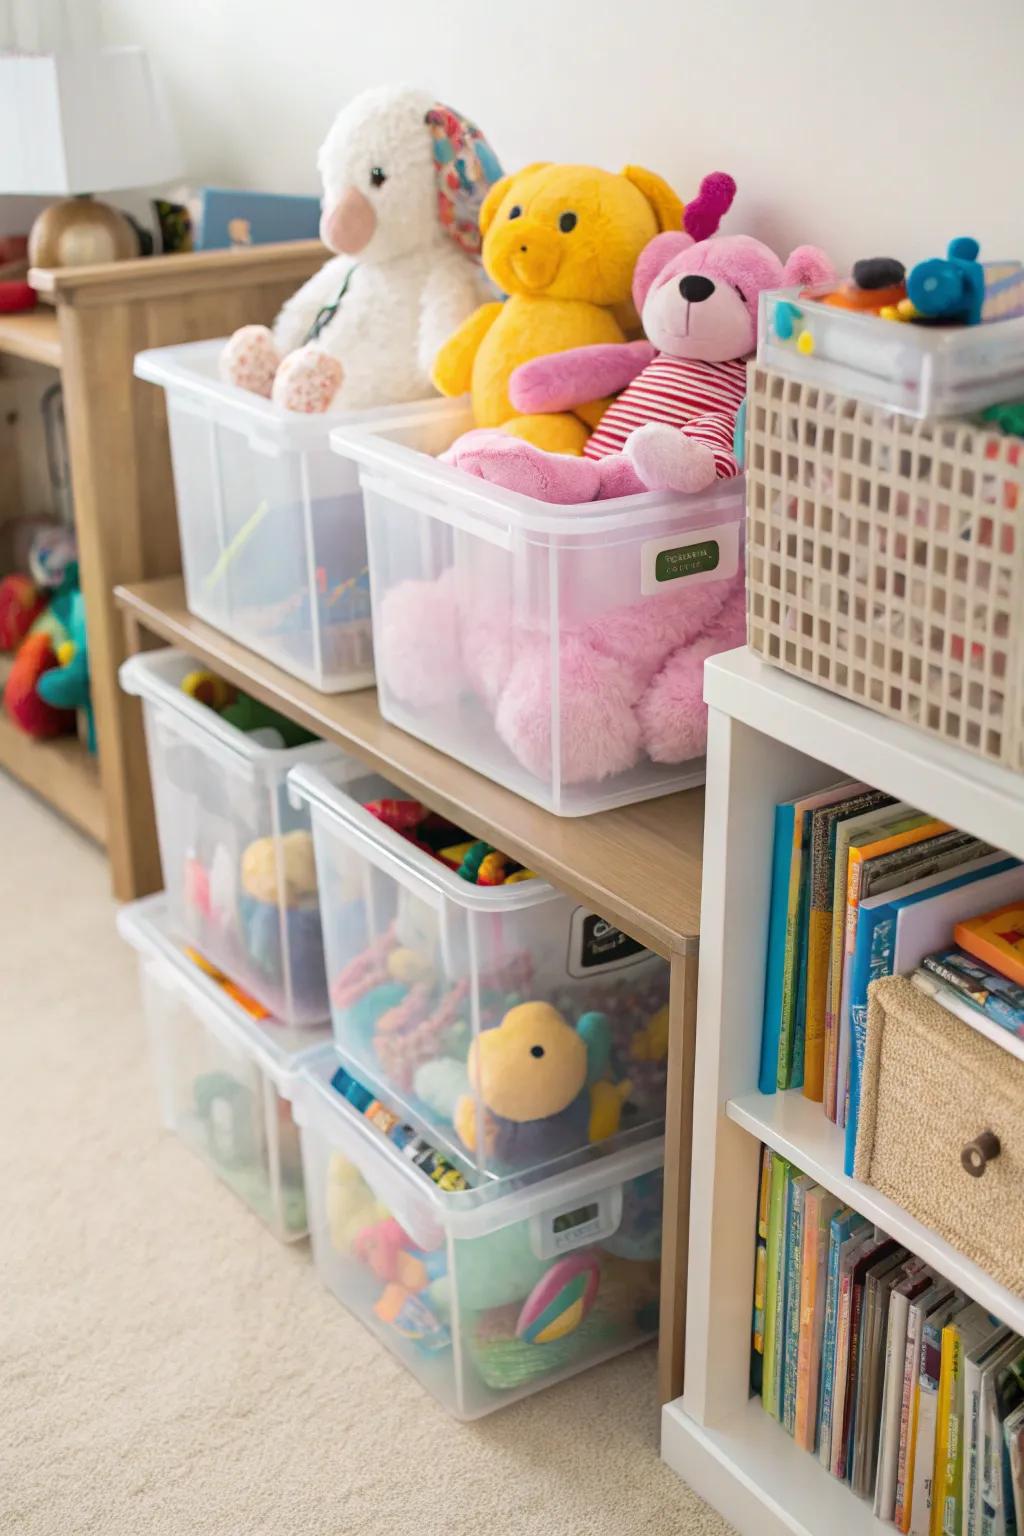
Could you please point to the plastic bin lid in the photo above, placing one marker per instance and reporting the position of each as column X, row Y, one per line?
column 192, row 371
column 494, row 1203
column 278, row 1049
column 321, row 786
column 157, row 677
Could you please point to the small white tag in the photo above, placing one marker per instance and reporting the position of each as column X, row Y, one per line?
column 555, row 1232
column 697, row 556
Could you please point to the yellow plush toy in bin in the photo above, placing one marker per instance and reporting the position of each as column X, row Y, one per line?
column 562, row 242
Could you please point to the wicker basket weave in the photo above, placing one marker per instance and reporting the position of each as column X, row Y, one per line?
column 885, row 560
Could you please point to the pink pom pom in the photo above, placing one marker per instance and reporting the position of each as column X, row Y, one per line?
column 706, row 211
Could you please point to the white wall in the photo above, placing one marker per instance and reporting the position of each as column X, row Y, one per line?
column 868, row 126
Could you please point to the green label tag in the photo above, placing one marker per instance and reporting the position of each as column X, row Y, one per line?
column 686, row 560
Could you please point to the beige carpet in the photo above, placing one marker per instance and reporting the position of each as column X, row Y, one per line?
column 166, row 1366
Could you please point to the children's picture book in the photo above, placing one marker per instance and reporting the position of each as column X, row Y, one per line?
column 1013, row 1430
column 964, row 1332
column 760, row 1273
column 819, row 1209
column 851, row 1298
column 975, row 1361
column 895, row 931
column 854, row 827
column 939, row 1292
column 783, row 1044
column 1002, row 1391
column 996, row 939
column 775, row 1287
column 865, row 1409
column 865, row 864
column 799, row 1188
column 914, row 1283
column 851, row 800
column 927, row 1411
column 992, row 994
column 847, row 1226
column 227, row 218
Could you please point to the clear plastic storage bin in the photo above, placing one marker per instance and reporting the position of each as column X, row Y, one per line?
column 922, row 370
column 237, row 857
column 511, row 1025
column 485, row 1295
column 272, row 539
column 505, row 628
column 225, row 1078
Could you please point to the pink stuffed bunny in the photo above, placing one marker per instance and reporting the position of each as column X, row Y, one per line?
column 630, row 678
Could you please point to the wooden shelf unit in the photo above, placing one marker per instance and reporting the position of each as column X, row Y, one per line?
column 33, row 336
column 771, row 737
column 96, row 319
column 638, row 866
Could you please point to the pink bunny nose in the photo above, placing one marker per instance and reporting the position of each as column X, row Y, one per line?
column 347, row 225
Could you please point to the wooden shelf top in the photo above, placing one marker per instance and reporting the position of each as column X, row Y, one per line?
column 148, row 276
column 639, row 866
column 34, row 335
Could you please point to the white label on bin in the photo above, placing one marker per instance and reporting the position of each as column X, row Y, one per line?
column 697, row 556
column 556, row 1232
column 598, row 946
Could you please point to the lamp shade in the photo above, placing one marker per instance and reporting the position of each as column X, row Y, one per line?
column 88, row 120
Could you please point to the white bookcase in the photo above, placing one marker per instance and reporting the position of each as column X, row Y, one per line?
column 772, row 737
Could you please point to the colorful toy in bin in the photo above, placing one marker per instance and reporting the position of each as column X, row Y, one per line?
column 542, row 1085
column 561, row 241
column 558, row 1304
column 403, row 180
column 276, row 873
column 958, row 289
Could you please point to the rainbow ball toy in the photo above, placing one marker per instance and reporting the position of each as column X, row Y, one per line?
column 558, row 1304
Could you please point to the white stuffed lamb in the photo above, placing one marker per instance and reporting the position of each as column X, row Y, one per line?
column 403, row 181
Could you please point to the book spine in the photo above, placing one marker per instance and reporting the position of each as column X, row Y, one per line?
column 873, row 955
column 840, row 1374
column 784, row 1075
column 944, row 1411
column 774, row 969
column 775, row 1289
column 908, row 1425
column 853, row 1376
column 794, row 1259
column 828, row 1346
column 760, row 1274
column 814, row 1240
column 927, row 1417
column 988, row 1002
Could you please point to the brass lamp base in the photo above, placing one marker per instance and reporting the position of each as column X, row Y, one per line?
column 79, row 232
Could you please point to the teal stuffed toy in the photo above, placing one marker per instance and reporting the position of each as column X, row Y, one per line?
column 67, row 686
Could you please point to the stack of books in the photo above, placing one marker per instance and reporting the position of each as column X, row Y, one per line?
column 863, row 886
column 980, row 977
column 901, row 1385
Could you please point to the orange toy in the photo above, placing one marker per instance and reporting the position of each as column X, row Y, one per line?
column 29, row 712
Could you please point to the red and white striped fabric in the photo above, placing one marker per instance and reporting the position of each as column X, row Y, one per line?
column 682, row 392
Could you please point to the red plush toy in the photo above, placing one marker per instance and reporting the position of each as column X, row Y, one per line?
column 21, row 603
column 22, row 702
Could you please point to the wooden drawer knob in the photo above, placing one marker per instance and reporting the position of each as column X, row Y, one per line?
column 978, row 1153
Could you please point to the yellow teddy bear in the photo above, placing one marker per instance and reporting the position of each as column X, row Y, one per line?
column 562, row 242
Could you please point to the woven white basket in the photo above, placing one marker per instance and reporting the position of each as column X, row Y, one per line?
column 885, row 560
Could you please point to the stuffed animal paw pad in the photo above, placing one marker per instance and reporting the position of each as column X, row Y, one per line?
column 250, row 360
column 307, row 381
column 667, row 460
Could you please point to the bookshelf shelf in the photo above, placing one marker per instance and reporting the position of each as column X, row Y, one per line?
column 797, row 1128
column 773, row 737
column 760, row 1480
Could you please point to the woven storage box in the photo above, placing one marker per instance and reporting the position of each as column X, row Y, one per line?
column 931, row 1087
column 884, row 560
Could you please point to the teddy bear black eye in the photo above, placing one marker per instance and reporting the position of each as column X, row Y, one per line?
column 515, row 211
column 377, row 176
column 567, row 222
column 537, row 1050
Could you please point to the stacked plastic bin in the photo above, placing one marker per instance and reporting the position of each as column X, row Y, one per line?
column 231, row 953
column 483, row 1152
column 884, row 553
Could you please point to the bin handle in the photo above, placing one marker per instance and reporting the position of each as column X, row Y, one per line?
column 442, row 511
column 209, row 742
column 383, row 858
